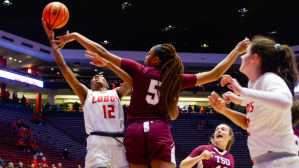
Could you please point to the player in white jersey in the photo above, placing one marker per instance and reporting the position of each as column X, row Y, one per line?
column 272, row 72
column 103, row 113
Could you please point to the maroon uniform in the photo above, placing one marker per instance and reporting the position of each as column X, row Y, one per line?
column 296, row 131
column 221, row 158
column 148, row 135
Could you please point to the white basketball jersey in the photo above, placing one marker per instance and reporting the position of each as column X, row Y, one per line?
column 269, row 129
column 103, row 112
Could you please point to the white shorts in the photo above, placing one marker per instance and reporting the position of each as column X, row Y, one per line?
column 104, row 151
column 287, row 162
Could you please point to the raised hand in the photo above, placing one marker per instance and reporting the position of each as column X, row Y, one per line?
column 231, row 97
column 233, row 84
column 217, row 102
column 50, row 32
column 206, row 155
column 242, row 46
column 62, row 40
column 98, row 60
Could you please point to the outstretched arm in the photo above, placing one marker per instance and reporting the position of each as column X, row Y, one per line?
column 219, row 105
column 101, row 62
column 89, row 45
column 80, row 90
column 222, row 67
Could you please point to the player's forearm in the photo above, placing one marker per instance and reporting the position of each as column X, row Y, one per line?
column 224, row 65
column 274, row 100
column 121, row 73
column 97, row 48
column 57, row 55
column 236, row 117
column 189, row 162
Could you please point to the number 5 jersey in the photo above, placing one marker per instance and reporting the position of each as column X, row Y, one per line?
column 145, row 103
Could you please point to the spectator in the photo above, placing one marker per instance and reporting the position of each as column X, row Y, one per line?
column 27, row 133
column 7, row 95
column 10, row 165
column 59, row 165
column 34, row 161
column 1, row 162
column 43, row 162
column 32, row 166
column 76, row 107
column 15, row 99
column 207, row 136
column 208, row 124
column 190, row 110
column 21, row 165
column 202, row 111
column 47, row 107
column 21, row 144
column 66, row 154
column 196, row 109
column 239, row 131
column 23, row 101
column 79, row 166
column 35, row 149
column 13, row 124
column 53, row 166
column 198, row 124
column 202, row 124
column 57, row 108
column 180, row 110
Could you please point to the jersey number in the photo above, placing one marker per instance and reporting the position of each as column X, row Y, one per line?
column 153, row 100
column 111, row 110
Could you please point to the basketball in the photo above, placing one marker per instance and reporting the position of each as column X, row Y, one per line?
column 56, row 15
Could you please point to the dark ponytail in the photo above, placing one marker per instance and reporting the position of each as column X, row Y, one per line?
column 276, row 58
column 173, row 69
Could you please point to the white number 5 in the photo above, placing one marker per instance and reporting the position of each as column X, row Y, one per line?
column 153, row 100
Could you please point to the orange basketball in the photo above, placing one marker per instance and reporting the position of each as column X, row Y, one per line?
column 56, row 15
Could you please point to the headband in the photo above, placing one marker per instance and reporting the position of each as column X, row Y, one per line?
column 158, row 50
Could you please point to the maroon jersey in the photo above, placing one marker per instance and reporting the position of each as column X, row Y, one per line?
column 221, row 158
column 145, row 104
column 296, row 131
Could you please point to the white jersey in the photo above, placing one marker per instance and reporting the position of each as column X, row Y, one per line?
column 103, row 112
column 269, row 120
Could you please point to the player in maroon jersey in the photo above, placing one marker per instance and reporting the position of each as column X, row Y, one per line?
column 156, row 90
column 216, row 155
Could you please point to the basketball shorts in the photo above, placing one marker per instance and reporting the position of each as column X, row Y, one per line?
column 287, row 162
column 104, row 151
column 146, row 140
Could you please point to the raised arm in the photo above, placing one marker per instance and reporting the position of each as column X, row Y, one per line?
column 89, row 45
column 101, row 62
column 191, row 161
column 222, row 67
column 80, row 90
column 219, row 105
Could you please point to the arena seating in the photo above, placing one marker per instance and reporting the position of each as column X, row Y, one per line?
column 51, row 143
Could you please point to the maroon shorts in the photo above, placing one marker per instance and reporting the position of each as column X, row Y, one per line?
column 146, row 141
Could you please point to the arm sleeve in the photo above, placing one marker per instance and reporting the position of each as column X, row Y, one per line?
column 189, row 80
column 276, row 95
column 197, row 151
column 131, row 67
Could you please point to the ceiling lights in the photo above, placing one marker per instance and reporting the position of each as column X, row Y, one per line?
column 7, row 2
column 243, row 11
column 105, row 42
column 167, row 28
column 204, row 46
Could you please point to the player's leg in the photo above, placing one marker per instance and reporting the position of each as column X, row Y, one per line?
column 135, row 146
column 161, row 164
column 160, row 145
column 119, row 159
